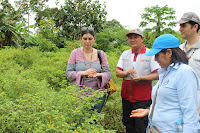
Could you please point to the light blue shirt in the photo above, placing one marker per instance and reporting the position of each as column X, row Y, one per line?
column 176, row 99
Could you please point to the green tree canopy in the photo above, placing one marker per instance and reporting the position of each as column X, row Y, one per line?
column 9, row 19
column 112, row 36
column 48, row 30
column 112, row 24
column 48, row 13
column 159, row 18
column 75, row 14
column 25, row 7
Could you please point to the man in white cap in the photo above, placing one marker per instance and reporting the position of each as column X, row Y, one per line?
column 137, row 71
column 189, row 27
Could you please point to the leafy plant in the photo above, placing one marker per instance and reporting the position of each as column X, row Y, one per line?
column 13, row 32
column 159, row 20
column 36, row 97
column 111, row 38
column 82, row 13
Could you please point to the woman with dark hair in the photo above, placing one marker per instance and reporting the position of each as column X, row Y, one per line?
column 84, row 66
column 174, row 97
column 178, row 56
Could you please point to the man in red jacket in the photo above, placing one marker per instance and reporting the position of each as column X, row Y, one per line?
column 137, row 71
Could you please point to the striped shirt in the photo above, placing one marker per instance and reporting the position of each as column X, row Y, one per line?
column 78, row 63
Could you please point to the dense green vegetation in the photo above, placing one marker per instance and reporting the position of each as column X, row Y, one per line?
column 35, row 95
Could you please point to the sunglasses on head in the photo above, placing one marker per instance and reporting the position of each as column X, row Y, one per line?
column 87, row 28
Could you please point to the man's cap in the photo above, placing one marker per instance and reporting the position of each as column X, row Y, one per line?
column 135, row 31
column 163, row 42
column 189, row 16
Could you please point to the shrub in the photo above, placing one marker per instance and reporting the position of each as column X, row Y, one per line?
column 45, row 45
column 36, row 97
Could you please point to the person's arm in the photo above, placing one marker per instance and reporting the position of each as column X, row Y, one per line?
column 105, row 76
column 90, row 73
column 154, row 74
column 150, row 77
column 187, row 85
column 74, row 75
column 154, row 71
column 122, row 74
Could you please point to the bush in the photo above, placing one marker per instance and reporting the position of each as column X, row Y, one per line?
column 111, row 38
column 45, row 45
column 71, row 45
column 113, row 107
column 36, row 97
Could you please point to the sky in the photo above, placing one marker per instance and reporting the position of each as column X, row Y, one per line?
column 128, row 12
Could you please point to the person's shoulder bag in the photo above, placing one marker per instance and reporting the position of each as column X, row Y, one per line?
column 111, row 83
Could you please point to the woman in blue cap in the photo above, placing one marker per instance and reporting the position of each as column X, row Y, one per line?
column 174, row 97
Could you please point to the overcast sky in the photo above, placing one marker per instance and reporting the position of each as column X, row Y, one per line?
column 128, row 12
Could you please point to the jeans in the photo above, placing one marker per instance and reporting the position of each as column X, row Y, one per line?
column 100, row 104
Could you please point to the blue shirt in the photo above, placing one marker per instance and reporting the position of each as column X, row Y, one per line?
column 176, row 99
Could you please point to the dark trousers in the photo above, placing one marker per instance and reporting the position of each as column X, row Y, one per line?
column 100, row 104
column 134, row 125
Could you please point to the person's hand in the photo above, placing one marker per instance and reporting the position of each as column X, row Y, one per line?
column 199, row 111
column 139, row 113
column 90, row 72
column 136, row 79
column 131, row 71
column 94, row 75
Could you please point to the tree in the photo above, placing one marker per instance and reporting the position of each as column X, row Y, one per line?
column 112, row 36
column 75, row 14
column 112, row 24
column 25, row 7
column 48, row 30
column 47, row 14
column 161, row 18
column 9, row 19
column 82, row 13
column 12, row 31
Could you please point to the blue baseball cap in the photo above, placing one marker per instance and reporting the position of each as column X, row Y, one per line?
column 163, row 42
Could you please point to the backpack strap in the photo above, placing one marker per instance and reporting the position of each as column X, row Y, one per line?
column 99, row 56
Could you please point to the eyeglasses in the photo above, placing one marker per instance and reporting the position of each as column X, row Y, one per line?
column 87, row 28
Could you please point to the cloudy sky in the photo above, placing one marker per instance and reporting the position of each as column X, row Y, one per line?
column 128, row 12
